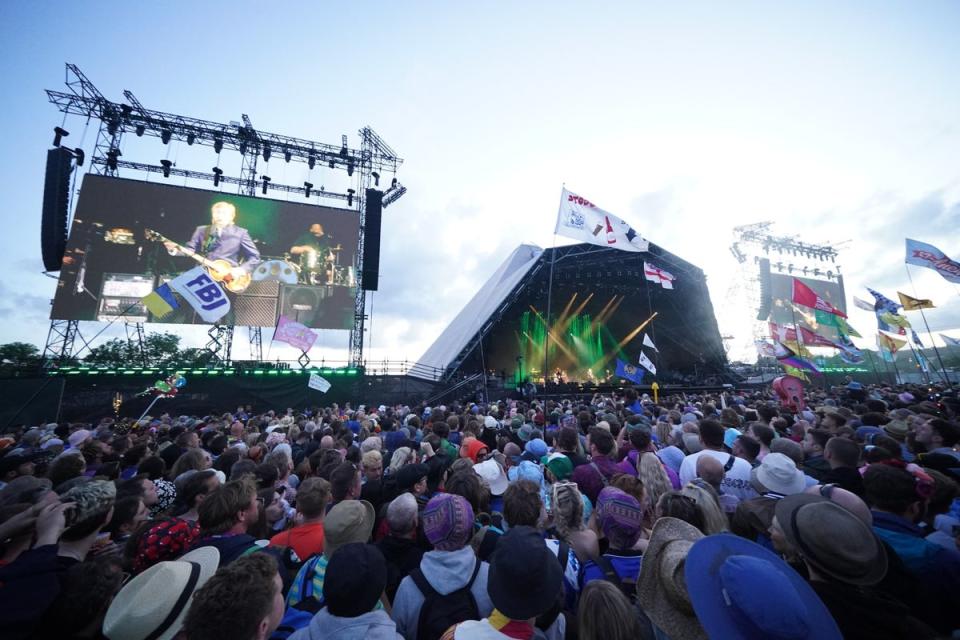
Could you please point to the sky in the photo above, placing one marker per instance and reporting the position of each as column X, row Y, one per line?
column 837, row 121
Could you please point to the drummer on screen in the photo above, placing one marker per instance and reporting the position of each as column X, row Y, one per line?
column 313, row 249
column 314, row 240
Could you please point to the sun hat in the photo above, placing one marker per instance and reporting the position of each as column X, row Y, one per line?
column 741, row 590
column 490, row 422
column 896, row 429
column 354, row 579
column 559, row 465
column 525, row 577
column 672, row 457
column 348, row 521
column 448, row 521
column 832, row 539
column 536, row 447
column 662, row 586
column 154, row 603
column 492, row 473
column 779, row 474
column 620, row 516
column 525, row 432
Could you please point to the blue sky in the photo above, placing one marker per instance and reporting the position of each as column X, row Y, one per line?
column 838, row 121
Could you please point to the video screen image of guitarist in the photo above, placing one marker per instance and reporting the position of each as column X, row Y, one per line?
column 126, row 230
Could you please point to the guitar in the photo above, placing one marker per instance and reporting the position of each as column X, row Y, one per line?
column 220, row 270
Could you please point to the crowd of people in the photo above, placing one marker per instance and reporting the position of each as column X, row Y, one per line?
column 696, row 516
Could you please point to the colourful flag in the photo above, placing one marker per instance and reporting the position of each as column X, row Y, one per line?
column 884, row 353
column 653, row 273
column 629, row 372
column 782, row 332
column 765, row 349
column 160, row 301
column 950, row 342
column 912, row 304
column 846, row 329
column 788, row 358
column 796, row 373
column 922, row 361
column 647, row 364
column 294, row 334
column 862, row 304
column 895, row 319
column 802, row 294
column 812, row 339
column 890, row 343
column 851, row 357
column 883, row 302
column 916, row 338
column 580, row 219
column 927, row 255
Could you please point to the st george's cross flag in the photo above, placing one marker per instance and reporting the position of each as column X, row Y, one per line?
column 802, row 294
column 580, row 219
column 653, row 273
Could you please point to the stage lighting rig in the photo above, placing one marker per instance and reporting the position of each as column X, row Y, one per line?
column 376, row 179
column 112, row 156
column 217, row 174
column 393, row 194
column 59, row 133
column 165, row 136
column 191, row 138
column 218, row 144
column 266, row 153
column 307, row 186
column 266, row 181
column 166, row 164
column 350, row 193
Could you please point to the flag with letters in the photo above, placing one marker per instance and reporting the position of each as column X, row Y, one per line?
column 927, row 255
column 202, row 293
column 161, row 301
column 629, row 372
column 319, row 383
column 580, row 219
column 647, row 364
column 912, row 304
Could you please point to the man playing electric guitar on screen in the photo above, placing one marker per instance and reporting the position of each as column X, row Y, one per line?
column 223, row 241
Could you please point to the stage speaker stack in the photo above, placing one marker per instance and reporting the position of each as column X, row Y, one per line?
column 302, row 303
column 257, row 305
column 56, row 199
column 371, row 240
column 766, row 296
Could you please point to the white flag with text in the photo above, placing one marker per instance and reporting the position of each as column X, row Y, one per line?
column 319, row 383
column 580, row 219
column 647, row 364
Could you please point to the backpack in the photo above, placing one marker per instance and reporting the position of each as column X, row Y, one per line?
column 628, row 587
column 440, row 612
column 546, row 619
column 299, row 615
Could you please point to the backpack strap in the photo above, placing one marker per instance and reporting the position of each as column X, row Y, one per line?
column 729, row 464
column 608, row 571
column 426, row 589
column 563, row 555
column 603, row 478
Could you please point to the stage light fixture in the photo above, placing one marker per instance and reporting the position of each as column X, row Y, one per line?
column 79, row 155
column 816, row 272
column 266, row 181
column 165, row 136
column 266, row 153
column 191, row 138
column 343, row 146
column 242, row 148
column 306, row 189
column 376, row 178
column 59, row 133
column 350, row 193
column 350, row 168
column 311, row 161
column 287, row 156
column 218, row 144
column 333, row 164
column 126, row 110
column 790, row 268
column 112, row 156
column 217, row 172
column 140, row 130
column 393, row 183
column 166, row 167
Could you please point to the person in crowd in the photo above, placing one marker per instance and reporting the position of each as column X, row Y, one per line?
column 372, row 463
column 345, row 483
column 814, row 462
column 399, row 547
column 606, row 614
column 711, row 472
column 736, row 480
column 620, row 518
column 306, row 537
column 843, row 456
column 595, row 475
column 451, row 570
column 226, row 516
column 241, row 601
column 776, row 478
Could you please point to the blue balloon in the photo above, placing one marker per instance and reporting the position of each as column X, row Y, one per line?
column 181, row 382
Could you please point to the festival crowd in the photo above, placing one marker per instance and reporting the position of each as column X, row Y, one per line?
column 612, row 517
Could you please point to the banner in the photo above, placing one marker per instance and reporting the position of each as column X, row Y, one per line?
column 294, row 334
column 883, row 302
column 765, row 349
column 890, row 343
column 802, row 294
column 788, row 358
column 863, row 304
column 653, row 273
column 629, row 372
column 895, row 320
column 202, row 293
column 580, row 219
column 647, row 342
column 950, row 342
column 161, row 301
column 927, row 255
column 647, row 364
column 912, row 304
column 318, row 383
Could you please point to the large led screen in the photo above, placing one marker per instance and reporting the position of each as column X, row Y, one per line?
column 784, row 312
column 271, row 257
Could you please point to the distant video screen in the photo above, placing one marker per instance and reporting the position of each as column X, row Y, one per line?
column 784, row 312
column 271, row 257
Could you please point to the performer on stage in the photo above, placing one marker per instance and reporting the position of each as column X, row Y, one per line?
column 224, row 240
column 313, row 240
column 316, row 256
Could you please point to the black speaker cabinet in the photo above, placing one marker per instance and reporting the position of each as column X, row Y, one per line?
column 56, row 198
column 255, row 311
column 302, row 303
column 371, row 239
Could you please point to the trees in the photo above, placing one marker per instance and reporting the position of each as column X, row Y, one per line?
column 19, row 353
column 159, row 350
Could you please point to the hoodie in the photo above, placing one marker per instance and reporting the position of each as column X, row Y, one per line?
column 446, row 571
column 373, row 625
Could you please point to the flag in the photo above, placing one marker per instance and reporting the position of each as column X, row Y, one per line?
column 580, row 219
column 950, row 342
column 809, row 318
column 765, row 349
column 922, row 361
column 295, row 334
column 654, row 273
column 862, row 304
column 927, row 255
column 203, row 294
column 802, row 294
column 890, row 343
column 319, row 383
column 845, row 329
column 782, row 333
column 916, row 338
column 884, row 353
column 912, row 304
column 895, row 319
column 883, row 325
column 812, row 339
column 788, row 358
column 160, row 301
column 629, row 372
column 647, row 364
column 883, row 302
column 647, row 342
column 796, row 373
column 851, row 358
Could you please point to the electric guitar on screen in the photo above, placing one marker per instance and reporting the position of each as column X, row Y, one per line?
column 220, row 270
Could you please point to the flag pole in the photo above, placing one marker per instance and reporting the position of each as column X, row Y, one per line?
column 943, row 369
column 650, row 311
column 796, row 331
column 886, row 365
column 546, row 319
column 874, row 367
